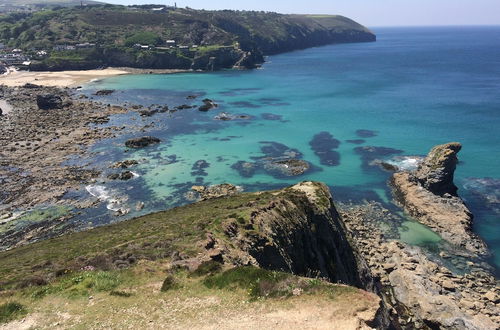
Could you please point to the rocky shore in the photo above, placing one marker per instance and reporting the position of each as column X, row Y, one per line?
column 46, row 127
column 429, row 194
column 419, row 292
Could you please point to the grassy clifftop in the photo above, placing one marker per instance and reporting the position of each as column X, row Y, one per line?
column 189, row 266
column 114, row 29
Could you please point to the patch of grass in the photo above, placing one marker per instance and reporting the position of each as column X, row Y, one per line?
column 11, row 311
column 80, row 284
column 257, row 281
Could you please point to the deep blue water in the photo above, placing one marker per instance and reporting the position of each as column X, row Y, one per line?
column 412, row 89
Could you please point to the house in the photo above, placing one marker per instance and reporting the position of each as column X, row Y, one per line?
column 170, row 42
column 41, row 53
column 17, row 51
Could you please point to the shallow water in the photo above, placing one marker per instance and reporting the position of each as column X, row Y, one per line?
column 412, row 89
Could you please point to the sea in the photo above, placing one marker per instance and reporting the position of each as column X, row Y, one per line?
column 343, row 108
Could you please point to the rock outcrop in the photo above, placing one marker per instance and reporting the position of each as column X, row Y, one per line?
column 216, row 191
column 436, row 172
column 141, row 142
column 430, row 195
column 298, row 231
column 49, row 101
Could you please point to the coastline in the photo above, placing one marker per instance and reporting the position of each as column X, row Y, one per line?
column 71, row 78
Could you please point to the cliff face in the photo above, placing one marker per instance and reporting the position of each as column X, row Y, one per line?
column 301, row 232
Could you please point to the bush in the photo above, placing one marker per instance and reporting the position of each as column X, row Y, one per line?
column 11, row 311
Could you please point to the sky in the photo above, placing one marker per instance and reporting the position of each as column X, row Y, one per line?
column 367, row 12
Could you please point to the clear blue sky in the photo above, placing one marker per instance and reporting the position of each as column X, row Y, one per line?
column 367, row 12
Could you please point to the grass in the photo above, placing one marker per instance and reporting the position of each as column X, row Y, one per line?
column 11, row 311
column 80, row 284
column 152, row 237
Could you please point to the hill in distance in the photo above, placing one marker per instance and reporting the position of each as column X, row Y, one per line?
column 231, row 37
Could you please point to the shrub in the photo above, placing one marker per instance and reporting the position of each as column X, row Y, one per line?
column 11, row 311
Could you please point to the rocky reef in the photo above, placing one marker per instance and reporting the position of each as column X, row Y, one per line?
column 429, row 194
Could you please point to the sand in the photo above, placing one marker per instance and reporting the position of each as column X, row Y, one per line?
column 59, row 79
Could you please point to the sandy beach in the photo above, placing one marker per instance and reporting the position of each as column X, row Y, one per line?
column 71, row 78
column 59, row 79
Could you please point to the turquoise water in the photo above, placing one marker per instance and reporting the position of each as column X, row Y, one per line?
column 412, row 89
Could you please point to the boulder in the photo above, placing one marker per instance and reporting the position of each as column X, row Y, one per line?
column 141, row 142
column 49, row 101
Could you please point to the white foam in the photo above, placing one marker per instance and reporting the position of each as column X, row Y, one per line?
column 406, row 163
column 115, row 202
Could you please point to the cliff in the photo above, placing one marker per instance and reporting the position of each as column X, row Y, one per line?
column 243, row 253
column 205, row 40
column 268, row 259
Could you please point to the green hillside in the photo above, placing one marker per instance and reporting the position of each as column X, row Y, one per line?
column 115, row 29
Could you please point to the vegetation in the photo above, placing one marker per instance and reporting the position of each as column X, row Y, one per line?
column 152, row 237
column 11, row 311
column 144, row 272
column 115, row 29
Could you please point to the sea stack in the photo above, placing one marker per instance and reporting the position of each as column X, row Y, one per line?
column 430, row 195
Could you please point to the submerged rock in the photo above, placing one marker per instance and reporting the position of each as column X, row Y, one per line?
column 141, row 142
column 323, row 144
column 104, row 92
column 366, row 133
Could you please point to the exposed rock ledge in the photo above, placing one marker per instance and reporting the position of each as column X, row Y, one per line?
column 430, row 195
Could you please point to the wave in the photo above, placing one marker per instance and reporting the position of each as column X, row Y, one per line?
column 115, row 201
column 405, row 163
